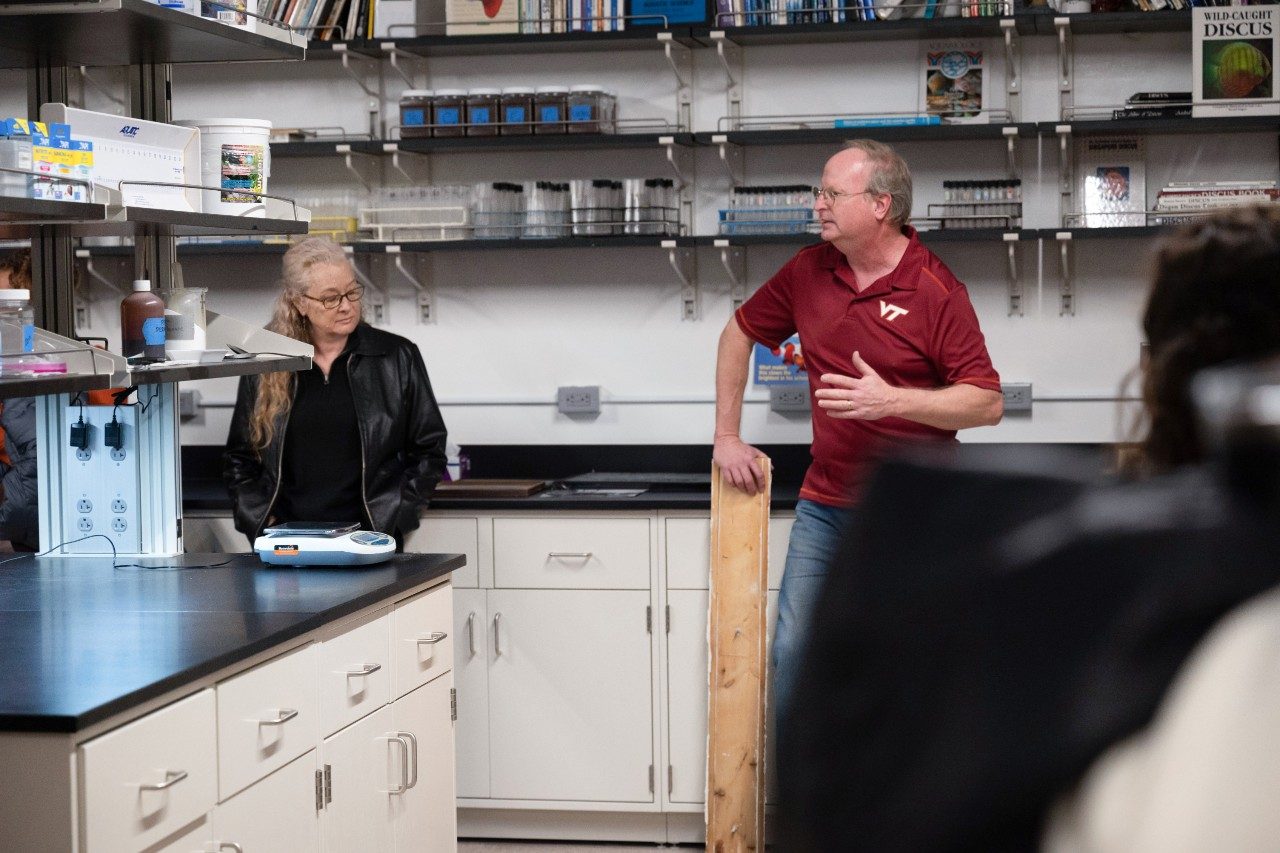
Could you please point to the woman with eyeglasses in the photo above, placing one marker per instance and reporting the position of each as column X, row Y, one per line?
column 358, row 437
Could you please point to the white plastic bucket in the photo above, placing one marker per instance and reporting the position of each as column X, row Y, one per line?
column 235, row 154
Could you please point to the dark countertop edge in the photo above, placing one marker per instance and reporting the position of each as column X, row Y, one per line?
column 70, row 724
column 637, row 504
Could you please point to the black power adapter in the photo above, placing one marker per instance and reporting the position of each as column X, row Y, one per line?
column 80, row 435
column 113, row 435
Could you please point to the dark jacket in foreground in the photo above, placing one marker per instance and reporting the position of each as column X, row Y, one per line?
column 19, row 521
column 967, row 666
column 402, row 437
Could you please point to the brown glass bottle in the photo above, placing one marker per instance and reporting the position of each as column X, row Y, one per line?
column 142, row 322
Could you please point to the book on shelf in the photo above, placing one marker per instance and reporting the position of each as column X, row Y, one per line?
column 1156, row 98
column 1170, row 111
column 1111, row 178
column 1208, row 199
column 952, row 80
column 1234, row 52
column 1174, row 186
column 888, row 121
column 490, row 17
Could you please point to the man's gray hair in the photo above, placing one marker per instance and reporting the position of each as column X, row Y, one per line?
column 888, row 175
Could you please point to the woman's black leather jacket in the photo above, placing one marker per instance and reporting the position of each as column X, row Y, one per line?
column 402, row 438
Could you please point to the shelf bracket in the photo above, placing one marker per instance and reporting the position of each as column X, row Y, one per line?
column 684, row 261
column 1013, row 66
column 1067, row 303
column 348, row 160
column 729, row 53
column 679, row 161
column 87, row 82
column 734, row 261
column 425, row 306
column 86, row 256
column 1015, row 284
column 393, row 148
column 1066, row 66
column 1011, row 150
column 682, row 66
column 1066, row 172
column 378, row 306
column 358, row 76
column 394, row 55
column 731, row 158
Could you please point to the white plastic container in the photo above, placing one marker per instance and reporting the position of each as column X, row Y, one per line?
column 17, row 328
column 235, row 154
column 184, row 322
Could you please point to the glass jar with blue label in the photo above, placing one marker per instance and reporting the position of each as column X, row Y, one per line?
column 584, row 108
column 415, row 113
column 17, row 327
column 448, row 112
column 549, row 109
column 482, row 112
column 517, row 110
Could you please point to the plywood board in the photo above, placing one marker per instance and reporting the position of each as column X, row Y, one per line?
column 737, row 635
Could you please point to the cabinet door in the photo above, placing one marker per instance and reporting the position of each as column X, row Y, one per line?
column 688, row 550
column 425, row 817
column 449, row 535
column 355, row 670
column 570, row 709
column 364, row 766
column 687, row 696
column 275, row 814
column 472, row 632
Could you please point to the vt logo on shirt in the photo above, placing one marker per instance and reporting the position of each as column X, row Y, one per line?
column 893, row 312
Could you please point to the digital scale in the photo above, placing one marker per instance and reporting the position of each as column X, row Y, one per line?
column 311, row 543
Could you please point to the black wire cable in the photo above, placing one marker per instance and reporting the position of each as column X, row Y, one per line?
column 115, row 556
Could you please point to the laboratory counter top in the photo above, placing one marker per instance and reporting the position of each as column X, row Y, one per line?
column 82, row 640
column 211, row 495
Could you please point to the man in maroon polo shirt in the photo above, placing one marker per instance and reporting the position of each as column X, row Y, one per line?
column 894, row 355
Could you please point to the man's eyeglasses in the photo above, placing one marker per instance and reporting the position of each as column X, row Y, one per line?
column 333, row 301
column 831, row 195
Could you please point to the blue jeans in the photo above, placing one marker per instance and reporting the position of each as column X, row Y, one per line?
column 815, row 537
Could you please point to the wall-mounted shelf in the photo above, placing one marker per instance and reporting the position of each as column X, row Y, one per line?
column 834, row 136
column 22, row 210
column 130, row 32
column 1216, row 124
column 634, row 38
column 621, row 241
column 1091, row 23
column 1131, row 232
column 937, row 235
column 462, row 144
column 97, row 219
column 906, row 28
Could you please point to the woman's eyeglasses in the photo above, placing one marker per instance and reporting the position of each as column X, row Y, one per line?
column 333, row 301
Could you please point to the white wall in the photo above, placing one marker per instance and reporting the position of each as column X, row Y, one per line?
column 512, row 325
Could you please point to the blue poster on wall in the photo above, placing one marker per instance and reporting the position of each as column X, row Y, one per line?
column 674, row 12
column 782, row 365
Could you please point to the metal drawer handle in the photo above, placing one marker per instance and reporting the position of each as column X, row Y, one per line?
column 404, row 765
column 575, row 555
column 497, row 635
column 284, row 715
column 171, row 778
column 367, row 669
column 471, row 632
column 436, row 636
column 230, row 845
column 413, row 741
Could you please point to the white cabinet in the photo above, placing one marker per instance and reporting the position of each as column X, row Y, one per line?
column 355, row 670
column 471, row 681
column 450, row 535
column 365, row 767
column 266, row 718
column 571, row 553
column 277, row 813
column 422, row 638
column 152, row 777
column 424, row 818
column 570, row 704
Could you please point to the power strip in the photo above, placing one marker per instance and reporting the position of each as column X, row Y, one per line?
column 101, row 482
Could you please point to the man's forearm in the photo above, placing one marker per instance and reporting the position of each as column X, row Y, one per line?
column 732, row 363
column 960, row 406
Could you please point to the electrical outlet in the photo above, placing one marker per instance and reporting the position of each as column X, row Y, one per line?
column 1017, row 396
column 789, row 399
column 578, row 399
column 84, row 506
column 119, row 525
column 84, row 524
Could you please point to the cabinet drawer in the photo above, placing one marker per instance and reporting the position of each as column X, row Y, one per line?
column 450, row 536
column 145, row 780
column 422, row 639
column 267, row 717
column 571, row 553
column 688, row 551
column 355, row 671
